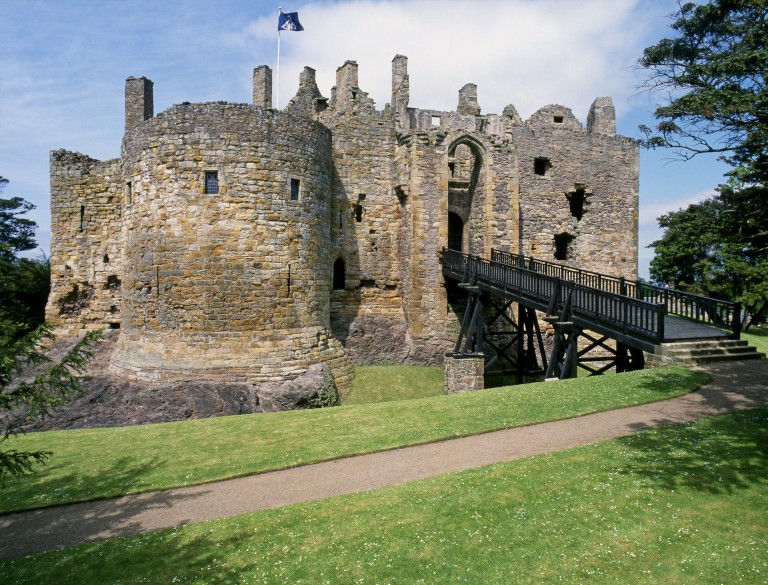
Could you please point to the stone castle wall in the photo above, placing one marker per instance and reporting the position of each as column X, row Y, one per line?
column 233, row 283
column 581, row 190
column 252, row 284
column 86, row 257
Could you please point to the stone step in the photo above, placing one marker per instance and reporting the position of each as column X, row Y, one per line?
column 711, row 351
column 703, row 352
column 725, row 343
column 709, row 358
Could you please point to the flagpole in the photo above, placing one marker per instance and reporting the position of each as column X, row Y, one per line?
column 277, row 84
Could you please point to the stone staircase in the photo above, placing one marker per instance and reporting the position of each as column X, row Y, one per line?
column 692, row 353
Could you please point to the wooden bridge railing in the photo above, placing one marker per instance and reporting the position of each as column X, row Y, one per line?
column 697, row 308
column 634, row 321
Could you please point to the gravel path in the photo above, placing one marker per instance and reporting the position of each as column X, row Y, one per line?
column 734, row 386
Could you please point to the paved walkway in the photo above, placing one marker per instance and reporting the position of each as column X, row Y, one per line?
column 734, row 386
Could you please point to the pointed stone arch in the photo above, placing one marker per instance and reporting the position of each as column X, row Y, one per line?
column 467, row 181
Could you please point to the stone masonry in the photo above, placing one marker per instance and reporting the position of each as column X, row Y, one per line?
column 235, row 241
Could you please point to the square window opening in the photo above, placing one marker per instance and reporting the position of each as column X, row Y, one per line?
column 558, row 119
column 211, row 182
column 541, row 165
column 435, row 120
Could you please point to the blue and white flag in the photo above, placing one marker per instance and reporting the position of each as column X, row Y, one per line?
column 289, row 21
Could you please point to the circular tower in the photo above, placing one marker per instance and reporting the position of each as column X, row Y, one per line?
column 226, row 229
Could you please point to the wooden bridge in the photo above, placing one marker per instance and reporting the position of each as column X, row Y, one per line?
column 639, row 317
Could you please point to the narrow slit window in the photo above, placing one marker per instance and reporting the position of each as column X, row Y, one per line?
column 295, row 189
column 211, row 182
column 82, row 218
column 128, row 193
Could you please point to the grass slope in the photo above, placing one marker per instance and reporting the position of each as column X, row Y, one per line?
column 758, row 337
column 102, row 463
column 683, row 504
column 372, row 384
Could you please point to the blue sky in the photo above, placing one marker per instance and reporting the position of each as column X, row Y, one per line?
column 63, row 65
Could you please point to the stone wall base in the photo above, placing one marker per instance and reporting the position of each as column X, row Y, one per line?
column 463, row 373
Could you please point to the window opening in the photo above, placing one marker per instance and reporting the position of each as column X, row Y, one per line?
column 82, row 217
column 435, row 120
column 359, row 207
column 563, row 246
column 113, row 282
column 452, row 168
column 340, row 220
column 541, row 165
column 576, row 200
column 128, row 193
column 339, row 275
column 455, row 231
column 211, row 182
column 558, row 119
column 295, row 188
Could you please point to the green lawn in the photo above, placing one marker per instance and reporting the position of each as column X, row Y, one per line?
column 681, row 505
column 101, row 463
column 372, row 384
column 758, row 337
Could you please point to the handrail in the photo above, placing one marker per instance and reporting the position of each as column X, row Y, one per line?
column 692, row 307
column 591, row 306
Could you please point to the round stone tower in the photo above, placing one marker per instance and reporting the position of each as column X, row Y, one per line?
column 226, row 229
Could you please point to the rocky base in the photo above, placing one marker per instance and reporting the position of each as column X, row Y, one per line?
column 108, row 400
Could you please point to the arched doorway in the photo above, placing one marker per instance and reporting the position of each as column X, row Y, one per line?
column 466, row 179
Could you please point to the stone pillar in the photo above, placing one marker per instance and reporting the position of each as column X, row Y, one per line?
column 401, row 91
column 602, row 117
column 463, row 373
column 468, row 100
column 262, row 87
column 139, row 101
column 346, row 83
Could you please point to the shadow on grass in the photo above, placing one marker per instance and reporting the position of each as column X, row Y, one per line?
column 45, row 529
column 719, row 455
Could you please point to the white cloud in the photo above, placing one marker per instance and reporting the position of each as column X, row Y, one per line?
column 522, row 52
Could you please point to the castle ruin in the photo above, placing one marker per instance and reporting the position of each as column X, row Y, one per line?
column 235, row 241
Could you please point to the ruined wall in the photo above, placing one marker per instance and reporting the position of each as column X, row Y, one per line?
column 232, row 283
column 326, row 226
column 580, row 190
column 86, row 268
column 452, row 164
column 366, row 222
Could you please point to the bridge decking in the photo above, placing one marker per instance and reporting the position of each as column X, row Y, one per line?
column 636, row 314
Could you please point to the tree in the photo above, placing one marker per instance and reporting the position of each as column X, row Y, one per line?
column 24, row 282
column 23, row 399
column 714, row 74
column 718, row 248
column 17, row 234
